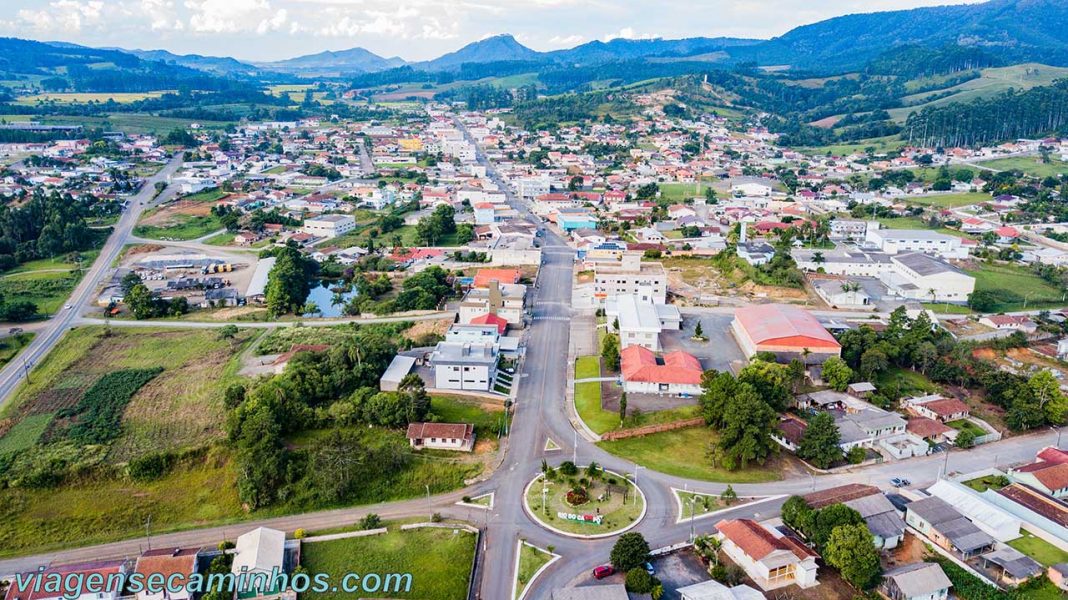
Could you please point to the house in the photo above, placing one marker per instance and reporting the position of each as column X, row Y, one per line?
column 257, row 286
column 1013, row 567
column 938, row 408
column 861, row 389
column 786, row 331
column 640, row 322
column 503, row 300
column 169, row 562
column 259, row 555
column 615, row 591
column 1010, row 323
column 34, row 586
column 770, row 558
column 839, row 293
column 677, row 373
column 1051, row 479
column 329, row 226
column 918, row 581
column 753, row 252
column 464, row 366
column 930, row 429
column 946, row 527
column 714, row 590
column 995, row 521
column 630, row 275
column 878, row 513
column 1058, row 574
column 442, row 436
column 845, row 229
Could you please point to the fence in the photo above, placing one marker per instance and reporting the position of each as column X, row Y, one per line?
column 650, row 429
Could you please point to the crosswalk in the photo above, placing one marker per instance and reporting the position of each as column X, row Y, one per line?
column 541, row 318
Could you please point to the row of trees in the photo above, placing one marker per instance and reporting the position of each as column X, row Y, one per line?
column 840, row 536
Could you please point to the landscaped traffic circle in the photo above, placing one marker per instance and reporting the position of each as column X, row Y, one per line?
column 584, row 502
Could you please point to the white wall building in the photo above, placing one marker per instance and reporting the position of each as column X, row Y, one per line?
column 329, row 226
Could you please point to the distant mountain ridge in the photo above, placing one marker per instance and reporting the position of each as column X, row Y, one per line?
column 1015, row 30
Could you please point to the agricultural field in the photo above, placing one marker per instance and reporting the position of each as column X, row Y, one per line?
column 992, row 82
column 85, row 97
column 1030, row 165
column 186, row 219
column 1016, row 286
column 439, row 560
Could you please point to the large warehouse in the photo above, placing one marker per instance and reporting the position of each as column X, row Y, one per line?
column 786, row 331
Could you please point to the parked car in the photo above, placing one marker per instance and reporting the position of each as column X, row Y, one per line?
column 603, row 571
column 649, row 569
column 900, row 482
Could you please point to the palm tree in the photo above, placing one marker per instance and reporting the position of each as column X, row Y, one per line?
column 851, row 288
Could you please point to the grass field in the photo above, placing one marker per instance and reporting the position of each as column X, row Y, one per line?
column 11, row 346
column 1039, row 549
column 488, row 418
column 1031, row 165
column 966, row 425
column 181, row 227
column 438, row 559
column 881, row 145
column 83, row 97
column 132, row 122
column 1018, row 281
column 993, row 81
column 907, row 381
column 46, row 282
column 682, row 453
column 106, row 510
column 982, row 484
column 530, row 560
column 588, row 397
column 951, row 200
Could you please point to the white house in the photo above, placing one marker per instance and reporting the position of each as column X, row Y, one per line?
column 329, row 226
column 464, row 366
column 442, row 436
column 771, row 559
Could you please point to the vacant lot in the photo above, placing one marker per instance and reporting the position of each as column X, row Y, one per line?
column 951, row 200
column 683, row 453
column 439, row 561
column 186, row 219
column 1015, row 285
column 180, row 408
column 1031, row 165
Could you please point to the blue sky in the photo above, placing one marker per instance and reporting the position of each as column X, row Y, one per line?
column 411, row 29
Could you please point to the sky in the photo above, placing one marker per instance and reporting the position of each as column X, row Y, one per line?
column 264, row 30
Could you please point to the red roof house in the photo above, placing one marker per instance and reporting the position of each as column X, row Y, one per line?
column 676, row 373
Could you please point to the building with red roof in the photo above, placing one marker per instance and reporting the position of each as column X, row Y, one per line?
column 442, row 436
column 1049, row 478
column 787, row 331
column 109, row 575
column 491, row 319
column 676, row 373
column 772, row 559
column 484, row 276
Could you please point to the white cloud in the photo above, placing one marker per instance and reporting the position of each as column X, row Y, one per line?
column 234, row 16
column 63, row 15
column 628, row 33
column 558, row 41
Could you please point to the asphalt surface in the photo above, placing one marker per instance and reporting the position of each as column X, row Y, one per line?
column 541, row 412
column 12, row 373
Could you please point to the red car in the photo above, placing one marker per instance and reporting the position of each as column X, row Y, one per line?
column 603, row 571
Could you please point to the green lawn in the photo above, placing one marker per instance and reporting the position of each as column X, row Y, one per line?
column 881, row 145
column 1031, row 165
column 682, row 453
column 46, row 282
column 982, row 484
column 439, row 561
column 530, row 560
column 1015, row 284
column 947, row 309
column 909, row 382
column 1039, row 549
column 606, row 498
column 966, row 425
column 951, row 200
column 184, row 228
column 11, row 346
column 588, row 397
column 913, row 223
column 702, row 503
column 489, row 420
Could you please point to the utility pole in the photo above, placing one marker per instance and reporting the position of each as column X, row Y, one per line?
column 574, row 450
column 429, row 507
column 148, row 534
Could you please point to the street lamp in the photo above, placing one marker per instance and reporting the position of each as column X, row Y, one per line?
column 429, row 507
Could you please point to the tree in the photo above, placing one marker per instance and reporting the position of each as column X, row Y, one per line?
column 228, row 332
column 1047, row 392
column 610, row 352
column 717, row 390
column 872, row 362
column 746, row 434
column 622, row 407
column 851, row 550
column 924, row 355
column 797, row 514
column 965, row 439
column 630, row 551
column 638, row 581
column 837, row 373
column 287, row 283
column 825, row 520
column 729, row 496
column 770, row 380
column 819, row 442
column 698, row 332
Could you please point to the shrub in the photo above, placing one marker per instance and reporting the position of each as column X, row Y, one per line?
column 638, row 581
column 856, row 455
column 577, row 496
column 436, row 518
column 300, row 534
column 568, row 469
column 370, row 521
column 150, row 466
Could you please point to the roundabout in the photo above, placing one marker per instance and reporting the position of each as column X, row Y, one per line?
column 584, row 502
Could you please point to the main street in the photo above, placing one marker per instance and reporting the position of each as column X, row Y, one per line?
column 541, row 413
column 50, row 334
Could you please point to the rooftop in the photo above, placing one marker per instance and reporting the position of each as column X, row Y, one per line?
column 783, row 324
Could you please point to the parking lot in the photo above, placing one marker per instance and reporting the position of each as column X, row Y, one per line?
column 718, row 353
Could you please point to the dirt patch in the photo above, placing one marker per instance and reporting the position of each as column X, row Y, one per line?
column 421, row 329
column 170, row 214
column 144, row 249
column 228, row 314
column 910, row 550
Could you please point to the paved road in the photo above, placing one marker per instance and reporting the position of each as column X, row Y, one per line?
column 12, row 373
column 541, row 413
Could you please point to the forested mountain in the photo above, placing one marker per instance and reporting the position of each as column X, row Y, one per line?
column 78, row 68
column 216, row 65
column 336, row 64
column 625, row 49
column 1015, row 30
column 499, row 48
column 1011, row 115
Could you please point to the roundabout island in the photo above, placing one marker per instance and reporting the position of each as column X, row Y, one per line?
column 584, row 502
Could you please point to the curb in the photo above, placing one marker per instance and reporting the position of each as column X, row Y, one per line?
column 579, row 536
